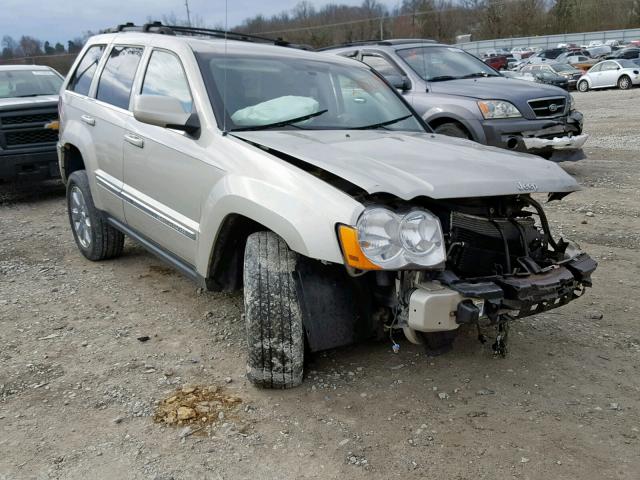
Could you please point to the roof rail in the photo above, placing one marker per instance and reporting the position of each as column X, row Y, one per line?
column 158, row 27
column 394, row 41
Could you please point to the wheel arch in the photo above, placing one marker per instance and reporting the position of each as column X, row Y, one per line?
column 71, row 160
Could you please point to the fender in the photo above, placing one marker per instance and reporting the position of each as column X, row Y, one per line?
column 459, row 114
column 304, row 214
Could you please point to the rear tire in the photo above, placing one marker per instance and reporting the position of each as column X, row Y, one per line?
column 95, row 238
column 273, row 315
column 452, row 129
column 624, row 82
column 583, row 86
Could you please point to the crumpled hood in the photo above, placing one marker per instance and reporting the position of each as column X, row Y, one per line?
column 409, row 165
column 27, row 102
column 500, row 88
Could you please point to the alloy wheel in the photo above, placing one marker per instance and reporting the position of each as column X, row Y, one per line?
column 80, row 217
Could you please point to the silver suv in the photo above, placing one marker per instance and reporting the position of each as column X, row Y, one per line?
column 459, row 95
column 310, row 182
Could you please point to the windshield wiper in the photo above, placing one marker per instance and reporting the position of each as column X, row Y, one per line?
column 28, row 95
column 442, row 78
column 477, row 74
column 282, row 123
column 382, row 124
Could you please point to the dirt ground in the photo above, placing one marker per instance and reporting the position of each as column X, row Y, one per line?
column 78, row 389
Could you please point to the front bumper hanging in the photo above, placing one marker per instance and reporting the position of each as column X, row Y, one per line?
column 450, row 302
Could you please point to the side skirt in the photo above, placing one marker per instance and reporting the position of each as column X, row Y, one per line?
column 164, row 255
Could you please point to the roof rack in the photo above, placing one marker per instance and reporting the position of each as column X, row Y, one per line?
column 158, row 27
column 395, row 41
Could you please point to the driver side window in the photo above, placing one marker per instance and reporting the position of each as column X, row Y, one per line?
column 165, row 77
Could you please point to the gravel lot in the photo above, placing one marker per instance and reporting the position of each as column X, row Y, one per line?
column 78, row 389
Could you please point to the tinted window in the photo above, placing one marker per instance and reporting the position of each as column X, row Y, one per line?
column 81, row 79
column 381, row 65
column 165, row 77
column 117, row 77
column 609, row 66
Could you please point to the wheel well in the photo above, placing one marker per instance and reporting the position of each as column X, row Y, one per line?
column 435, row 123
column 227, row 259
column 73, row 160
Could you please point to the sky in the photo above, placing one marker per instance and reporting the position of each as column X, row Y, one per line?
column 61, row 20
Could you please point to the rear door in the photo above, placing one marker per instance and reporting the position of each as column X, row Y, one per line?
column 112, row 98
column 166, row 176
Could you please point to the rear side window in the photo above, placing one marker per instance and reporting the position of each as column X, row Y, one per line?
column 165, row 77
column 118, row 74
column 81, row 79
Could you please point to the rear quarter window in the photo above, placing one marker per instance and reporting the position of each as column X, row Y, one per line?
column 117, row 77
column 80, row 81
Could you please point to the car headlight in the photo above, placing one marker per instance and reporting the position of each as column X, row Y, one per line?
column 498, row 109
column 392, row 241
column 572, row 103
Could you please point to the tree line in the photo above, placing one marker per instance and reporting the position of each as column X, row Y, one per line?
column 28, row 46
column 443, row 20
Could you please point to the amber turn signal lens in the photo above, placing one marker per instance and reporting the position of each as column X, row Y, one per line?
column 53, row 125
column 353, row 255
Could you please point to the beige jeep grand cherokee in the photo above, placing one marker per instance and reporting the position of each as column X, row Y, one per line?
column 307, row 180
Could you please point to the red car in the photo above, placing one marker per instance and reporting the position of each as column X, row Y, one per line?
column 497, row 62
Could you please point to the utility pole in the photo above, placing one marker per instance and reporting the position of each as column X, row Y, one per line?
column 186, row 4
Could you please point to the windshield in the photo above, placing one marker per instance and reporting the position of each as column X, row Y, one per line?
column 444, row 63
column 283, row 92
column 28, row 83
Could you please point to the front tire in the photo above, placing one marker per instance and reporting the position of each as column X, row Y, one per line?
column 452, row 129
column 95, row 238
column 273, row 314
column 583, row 86
column 624, row 82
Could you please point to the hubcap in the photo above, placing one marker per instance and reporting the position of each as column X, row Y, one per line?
column 80, row 217
column 624, row 83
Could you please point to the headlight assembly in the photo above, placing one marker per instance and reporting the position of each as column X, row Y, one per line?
column 498, row 109
column 391, row 240
column 572, row 103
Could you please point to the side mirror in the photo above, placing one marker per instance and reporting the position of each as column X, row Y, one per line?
column 401, row 82
column 166, row 112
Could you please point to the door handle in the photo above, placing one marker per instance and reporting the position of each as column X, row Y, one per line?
column 88, row 120
column 134, row 140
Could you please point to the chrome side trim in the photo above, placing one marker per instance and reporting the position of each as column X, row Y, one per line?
column 108, row 182
column 159, row 216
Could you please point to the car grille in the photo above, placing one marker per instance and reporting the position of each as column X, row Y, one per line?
column 34, row 118
column 27, row 137
column 548, row 107
column 25, row 128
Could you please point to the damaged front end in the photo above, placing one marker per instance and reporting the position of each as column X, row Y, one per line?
column 502, row 263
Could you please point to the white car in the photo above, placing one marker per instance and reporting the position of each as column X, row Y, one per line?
column 611, row 73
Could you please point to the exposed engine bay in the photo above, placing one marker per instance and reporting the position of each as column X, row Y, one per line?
column 502, row 263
